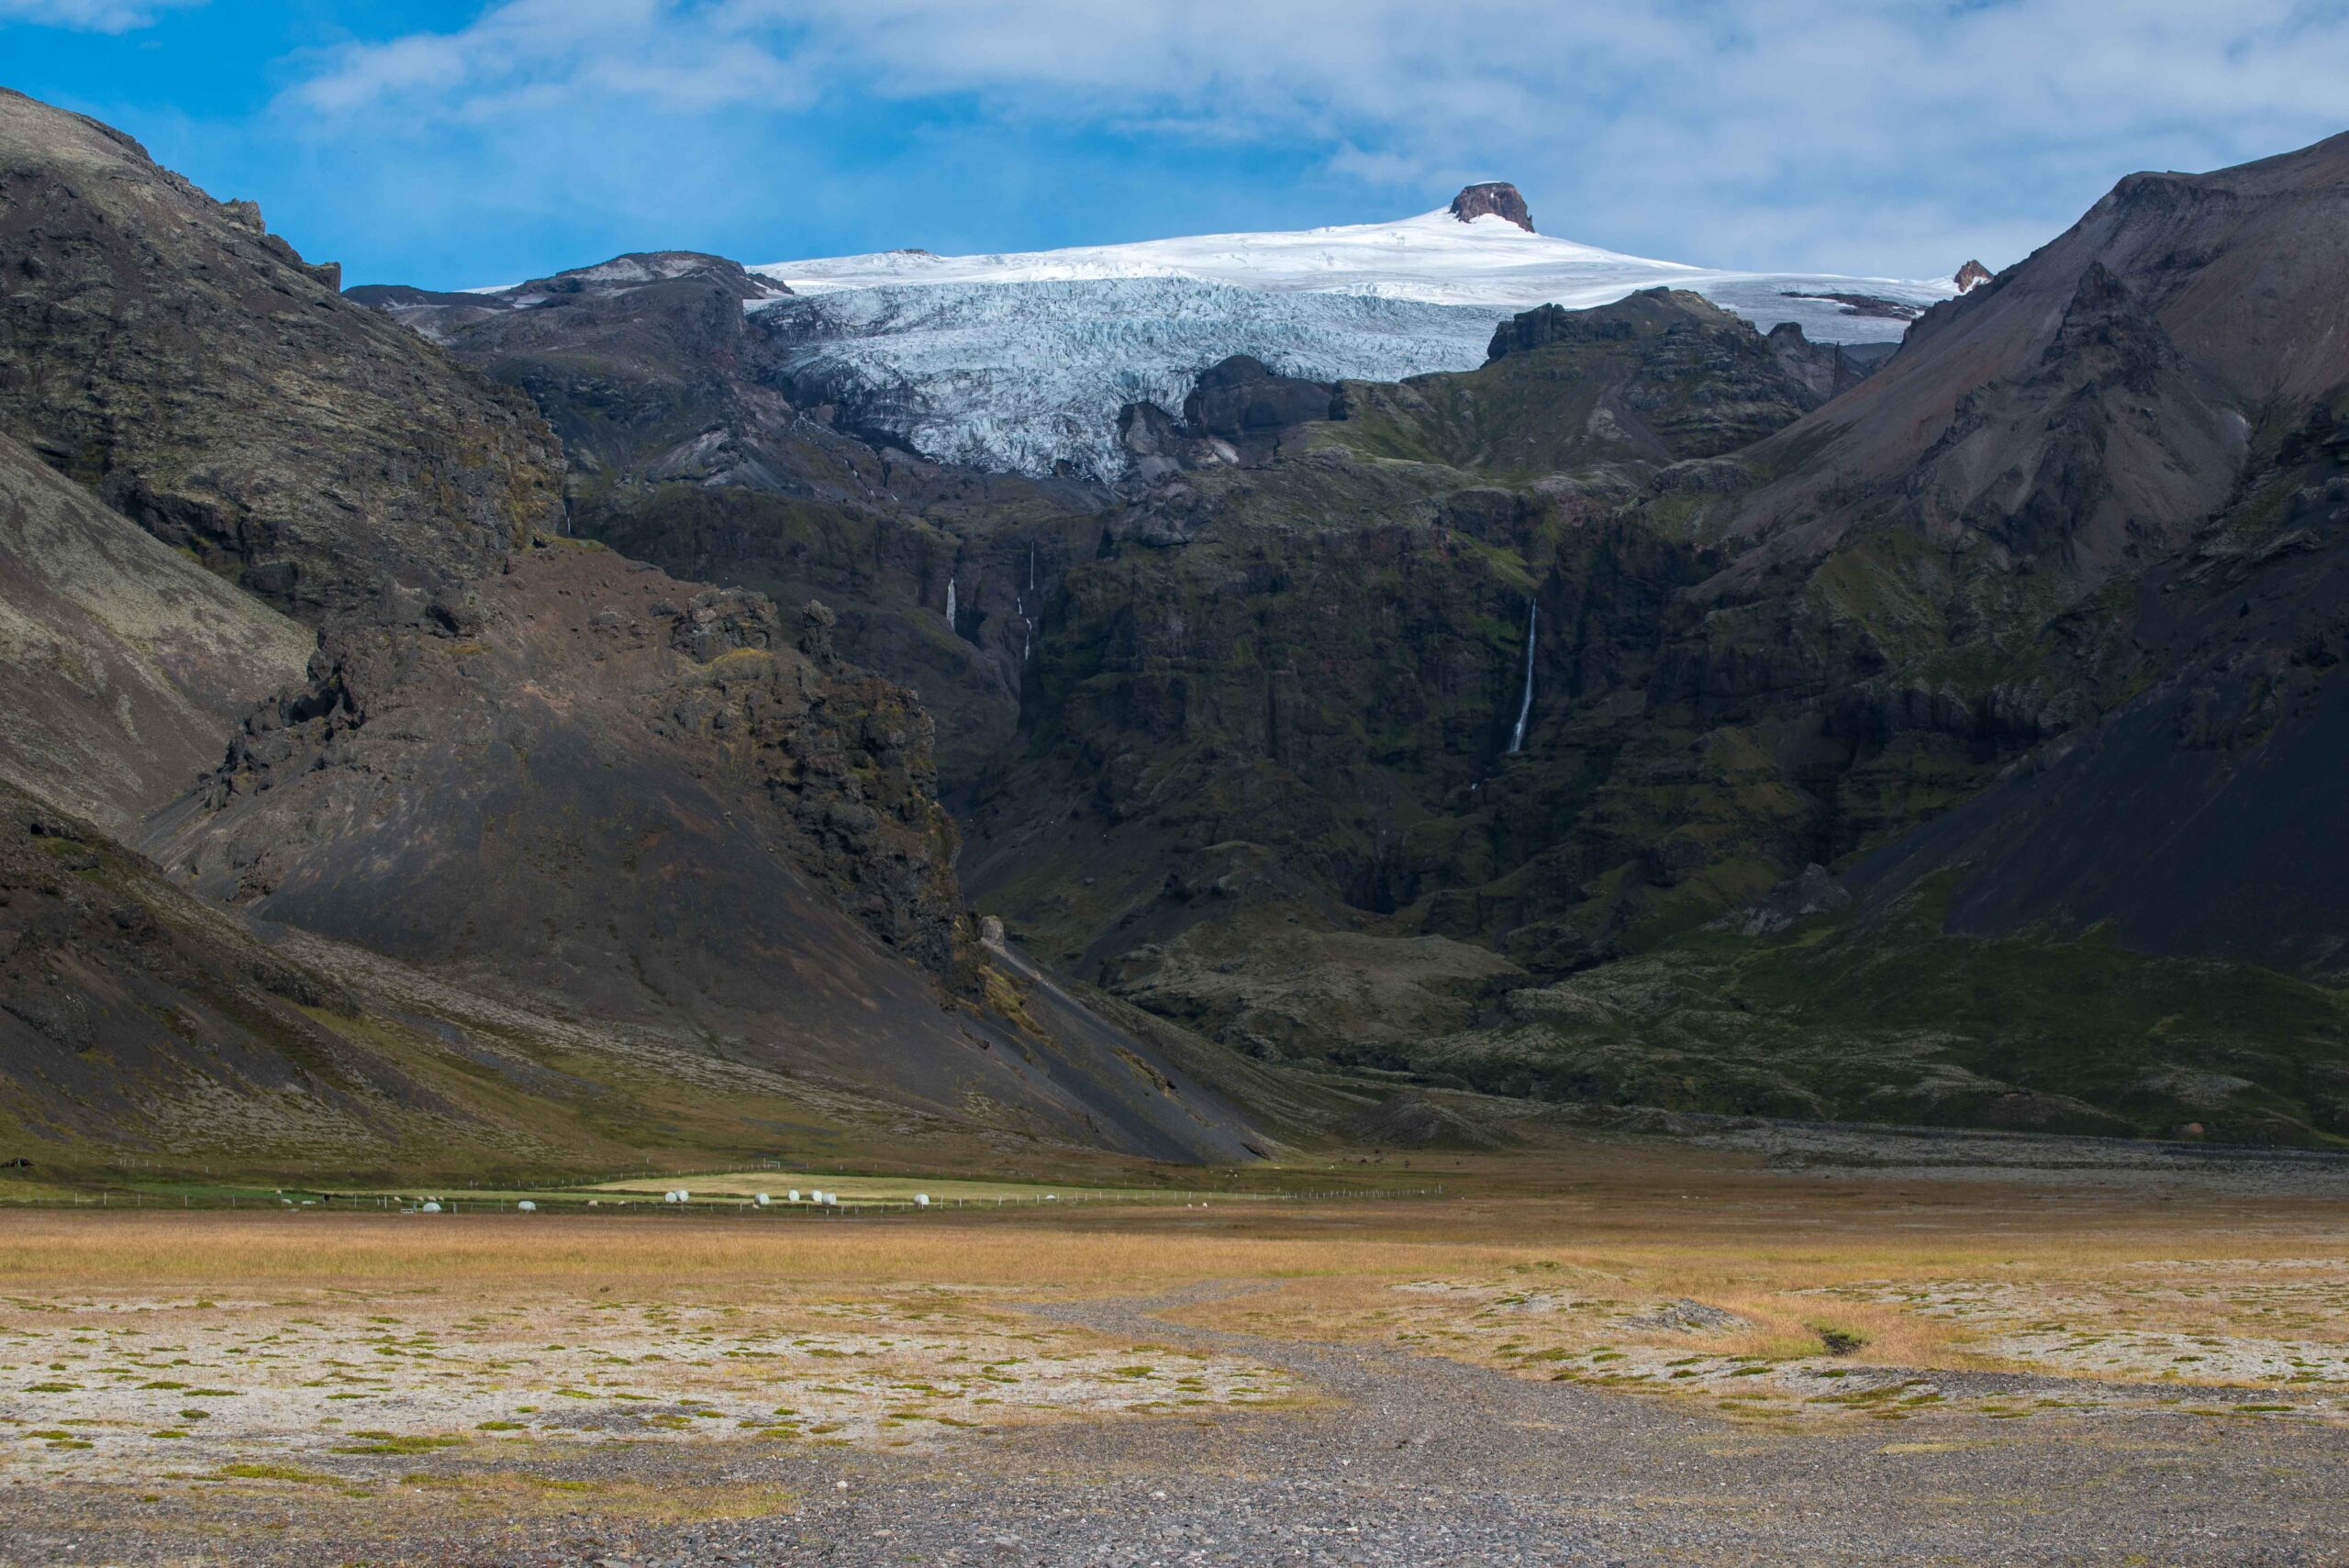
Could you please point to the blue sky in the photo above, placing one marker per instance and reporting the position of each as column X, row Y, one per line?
column 451, row 143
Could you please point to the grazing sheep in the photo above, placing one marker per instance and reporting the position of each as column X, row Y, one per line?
column 921, row 1200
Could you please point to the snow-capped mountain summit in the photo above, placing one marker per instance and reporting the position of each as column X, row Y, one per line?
column 1482, row 250
column 1022, row 359
column 1435, row 257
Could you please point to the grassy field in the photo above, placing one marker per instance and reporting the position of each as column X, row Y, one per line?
column 332, row 1353
column 905, row 1189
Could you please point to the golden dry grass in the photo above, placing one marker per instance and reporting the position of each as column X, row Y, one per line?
column 1619, row 1225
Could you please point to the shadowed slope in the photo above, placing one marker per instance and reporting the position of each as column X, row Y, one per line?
column 126, row 663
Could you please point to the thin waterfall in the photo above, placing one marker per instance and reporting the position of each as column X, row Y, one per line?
column 950, row 601
column 1031, row 568
column 1525, row 703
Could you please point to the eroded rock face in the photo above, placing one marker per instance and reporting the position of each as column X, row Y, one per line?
column 1495, row 198
column 166, row 350
column 1971, row 276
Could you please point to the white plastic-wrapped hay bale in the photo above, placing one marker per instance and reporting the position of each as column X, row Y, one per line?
column 429, row 1208
column 921, row 1200
column 527, row 1206
column 759, row 1198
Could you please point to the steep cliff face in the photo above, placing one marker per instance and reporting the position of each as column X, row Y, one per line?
column 166, row 350
column 1362, row 686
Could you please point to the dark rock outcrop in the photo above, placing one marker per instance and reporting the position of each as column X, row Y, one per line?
column 1971, row 276
column 1494, row 198
column 1239, row 411
column 1242, row 399
column 1826, row 369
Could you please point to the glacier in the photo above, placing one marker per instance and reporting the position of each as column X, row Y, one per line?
column 1029, row 375
column 1021, row 361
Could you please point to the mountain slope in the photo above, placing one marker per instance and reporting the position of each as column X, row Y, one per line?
column 168, row 351
column 2202, row 816
column 126, row 662
column 2228, row 275
column 527, row 765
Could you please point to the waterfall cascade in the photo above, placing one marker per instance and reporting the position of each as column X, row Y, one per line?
column 950, row 601
column 1525, row 703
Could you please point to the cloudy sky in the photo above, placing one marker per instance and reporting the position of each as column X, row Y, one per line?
column 449, row 143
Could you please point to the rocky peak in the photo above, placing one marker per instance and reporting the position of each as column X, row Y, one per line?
column 640, row 269
column 1644, row 314
column 1971, row 276
column 1494, row 198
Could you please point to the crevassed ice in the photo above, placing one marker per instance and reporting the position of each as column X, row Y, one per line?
column 1022, row 361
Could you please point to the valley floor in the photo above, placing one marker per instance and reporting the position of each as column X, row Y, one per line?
column 1618, row 1350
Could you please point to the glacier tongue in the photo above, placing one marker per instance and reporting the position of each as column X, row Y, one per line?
column 1023, row 375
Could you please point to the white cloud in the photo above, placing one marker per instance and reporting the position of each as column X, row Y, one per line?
column 1887, row 134
column 90, row 16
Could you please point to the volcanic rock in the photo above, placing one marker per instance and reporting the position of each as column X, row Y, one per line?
column 1494, row 198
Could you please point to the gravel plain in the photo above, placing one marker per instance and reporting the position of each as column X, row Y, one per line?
column 1392, row 1460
